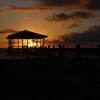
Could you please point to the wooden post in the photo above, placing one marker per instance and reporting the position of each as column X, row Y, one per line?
column 43, row 42
column 9, row 43
column 40, row 43
column 53, row 46
column 12, row 43
column 49, row 46
column 33, row 43
column 59, row 50
column 36, row 43
column 27, row 43
column 22, row 43
column 63, row 50
column 18, row 43
column 48, row 52
column 53, row 51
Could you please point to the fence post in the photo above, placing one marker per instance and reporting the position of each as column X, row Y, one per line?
column 59, row 50
column 53, row 51
column 78, row 50
column 63, row 50
column 48, row 51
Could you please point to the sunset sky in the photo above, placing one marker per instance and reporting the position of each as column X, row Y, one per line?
column 65, row 20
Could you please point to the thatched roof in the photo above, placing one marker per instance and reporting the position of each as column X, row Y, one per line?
column 26, row 35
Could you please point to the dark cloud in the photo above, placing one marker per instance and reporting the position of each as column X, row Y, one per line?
column 90, row 4
column 81, row 14
column 6, row 31
column 61, row 2
column 92, row 35
column 73, row 15
column 74, row 25
column 59, row 17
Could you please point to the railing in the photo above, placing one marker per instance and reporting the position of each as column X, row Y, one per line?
column 54, row 51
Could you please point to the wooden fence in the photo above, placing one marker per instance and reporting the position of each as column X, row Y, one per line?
column 54, row 51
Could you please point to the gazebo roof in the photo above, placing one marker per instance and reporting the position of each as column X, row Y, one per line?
column 26, row 35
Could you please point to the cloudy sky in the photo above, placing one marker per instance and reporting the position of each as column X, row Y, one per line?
column 65, row 20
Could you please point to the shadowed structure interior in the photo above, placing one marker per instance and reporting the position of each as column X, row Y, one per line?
column 26, row 39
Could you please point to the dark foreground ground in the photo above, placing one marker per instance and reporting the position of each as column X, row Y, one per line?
column 50, row 78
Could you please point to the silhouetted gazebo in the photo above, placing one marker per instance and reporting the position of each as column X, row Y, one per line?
column 26, row 39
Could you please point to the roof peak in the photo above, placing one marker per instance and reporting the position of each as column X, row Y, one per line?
column 28, row 31
column 25, row 34
column 25, row 30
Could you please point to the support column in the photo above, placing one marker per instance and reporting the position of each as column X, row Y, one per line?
column 10, row 43
column 18, row 43
column 22, row 43
column 36, row 43
column 33, row 43
column 40, row 43
column 43, row 42
column 27, row 43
